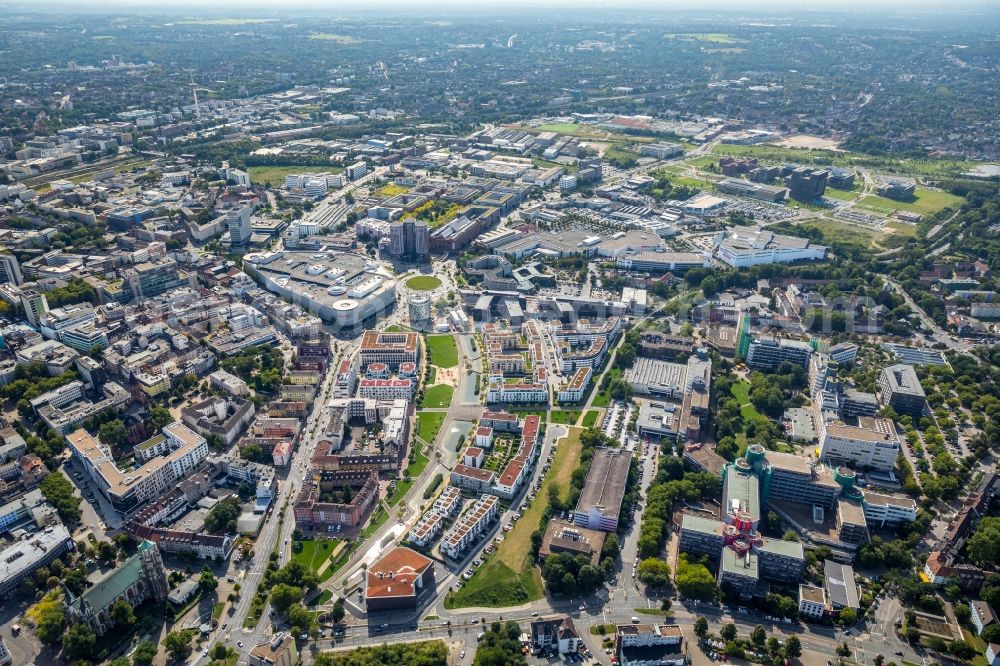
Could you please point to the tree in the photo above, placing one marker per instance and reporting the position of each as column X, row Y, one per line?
column 665, row 605
column 207, row 581
column 701, row 626
column 961, row 649
column 654, row 572
column 49, row 618
column 79, row 641
column 758, row 636
column 121, row 661
column 728, row 632
column 160, row 417
column 694, row 580
column 843, row 650
column 299, row 619
column 177, row 644
column 144, row 654
column 793, row 647
column 848, row 616
column 59, row 492
column 112, row 433
column 122, row 614
column 773, row 646
column 337, row 613
column 219, row 652
column 283, row 596
column 106, row 552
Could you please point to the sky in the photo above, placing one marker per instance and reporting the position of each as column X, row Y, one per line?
column 491, row 6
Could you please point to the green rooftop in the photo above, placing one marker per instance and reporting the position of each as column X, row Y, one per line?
column 152, row 441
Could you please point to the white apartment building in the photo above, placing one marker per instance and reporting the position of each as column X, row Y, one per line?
column 872, row 444
column 470, row 526
column 230, row 383
column 517, row 393
column 574, row 388
column 127, row 491
column 386, row 389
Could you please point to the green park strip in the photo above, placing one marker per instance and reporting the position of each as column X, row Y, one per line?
column 438, row 395
column 509, row 576
column 442, row 350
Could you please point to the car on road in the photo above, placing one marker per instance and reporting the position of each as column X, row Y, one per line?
column 462, row 655
column 239, row 643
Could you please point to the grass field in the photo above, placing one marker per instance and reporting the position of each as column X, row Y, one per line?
column 314, row 553
column 442, row 350
column 741, row 391
column 423, row 283
column 438, row 395
column 428, row 425
column 321, row 599
column 842, row 232
column 276, row 174
column 572, row 129
column 564, row 416
column 590, row 418
column 392, row 190
column 510, row 576
column 603, row 398
column 841, row 195
column 926, row 202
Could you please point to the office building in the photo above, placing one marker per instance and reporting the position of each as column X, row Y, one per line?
column 67, row 406
column 841, row 590
column 240, row 225
column 409, row 240
column 872, row 444
column 35, row 306
column 564, row 537
column 20, row 559
column 899, row 388
column 806, row 183
column 812, row 601
column 600, row 501
column 743, row 247
column 663, row 262
column 356, row 171
column 10, row 270
column 767, row 353
column 896, row 188
column 150, row 279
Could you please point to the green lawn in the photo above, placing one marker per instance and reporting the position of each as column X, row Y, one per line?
column 413, row 470
column 925, row 202
column 572, row 129
column 564, row 416
column 603, row 398
column 442, row 350
column 377, row 520
column 276, row 174
column 392, row 190
column 314, row 552
column 510, row 576
column 842, row 195
column 323, row 597
column 539, row 163
column 428, row 425
column 590, row 418
column 423, row 283
column 217, row 610
column 741, row 391
column 438, row 395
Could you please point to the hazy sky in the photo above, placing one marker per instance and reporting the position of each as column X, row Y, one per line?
column 491, row 6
